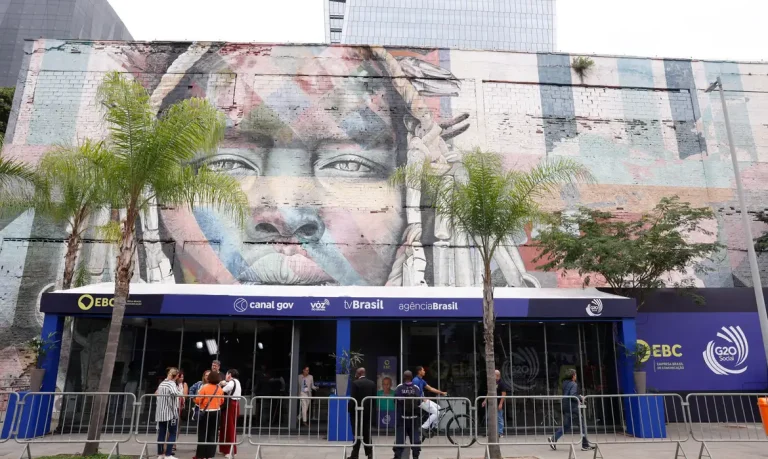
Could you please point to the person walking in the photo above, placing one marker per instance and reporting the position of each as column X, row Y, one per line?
column 430, row 407
column 501, row 392
column 361, row 388
column 193, row 392
column 167, row 413
column 407, row 417
column 306, row 386
column 209, row 398
column 571, row 400
column 230, row 415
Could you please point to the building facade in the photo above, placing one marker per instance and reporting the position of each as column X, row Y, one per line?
column 31, row 19
column 313, row 134
column 509, row 25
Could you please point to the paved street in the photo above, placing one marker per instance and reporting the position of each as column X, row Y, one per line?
column 12, row 450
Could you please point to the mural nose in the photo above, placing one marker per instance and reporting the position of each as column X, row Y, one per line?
column 302, row 224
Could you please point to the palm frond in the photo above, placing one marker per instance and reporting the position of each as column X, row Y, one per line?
column 190, row 186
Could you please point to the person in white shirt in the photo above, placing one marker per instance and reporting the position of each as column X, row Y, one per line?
column 228, row 433
column 167, row 413
column 306, row 386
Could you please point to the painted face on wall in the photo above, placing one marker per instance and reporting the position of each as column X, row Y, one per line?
column 313, row 155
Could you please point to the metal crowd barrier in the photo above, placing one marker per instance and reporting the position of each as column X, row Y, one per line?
column 202, row 425
column 736, row 419
column 8, row 408
column 449, row 422
column 35, row 421
column 636, row 418
column 303, row 421
column 554, row 421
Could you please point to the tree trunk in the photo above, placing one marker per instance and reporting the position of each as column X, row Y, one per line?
column 70, row 260
column 489, row 323
column 122, row 286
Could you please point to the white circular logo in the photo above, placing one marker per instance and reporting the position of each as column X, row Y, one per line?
column 523, row 367
column 595, row 308
column 241, row 305
column 727, row 355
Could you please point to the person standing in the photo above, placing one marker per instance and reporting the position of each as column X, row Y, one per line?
column 407, row 397
column 306, row 386
column 571, row 400
column 427, row 405
column 361, row 388
column 193, row 392
column 167, row 413
column 501, row 391
column 209, row 398
column 228, row 432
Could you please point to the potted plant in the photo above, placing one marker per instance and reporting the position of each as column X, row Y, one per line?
column 344, row 365
column 40, row 346
column 639, row 354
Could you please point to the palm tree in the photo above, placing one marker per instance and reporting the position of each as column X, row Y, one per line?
column 477, row 197
column 154, row 160
column 73, row 187
column 17, row 180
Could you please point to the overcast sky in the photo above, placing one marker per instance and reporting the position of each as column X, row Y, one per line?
column 704, row 29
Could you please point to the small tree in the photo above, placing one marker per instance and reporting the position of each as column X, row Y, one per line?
column 632, row 256
column 75, row 187
column 479, row 198
column 153, row 160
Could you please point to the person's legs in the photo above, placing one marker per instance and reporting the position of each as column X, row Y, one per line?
column 432, row 408
column 202, row 421
column 565, row 427
column 584, row 441
column 413, row 434
column 173, row 426
column 162, row 432
column 304, row 407
column 399, row 438
column 500, row 417
column 367, row 434
column 356, row 447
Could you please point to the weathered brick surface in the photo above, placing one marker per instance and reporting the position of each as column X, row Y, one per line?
column 313, row 132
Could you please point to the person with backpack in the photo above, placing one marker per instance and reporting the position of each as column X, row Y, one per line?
column 571, row 400
column 407, row 416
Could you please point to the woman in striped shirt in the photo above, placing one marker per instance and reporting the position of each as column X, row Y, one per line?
column 167, row 413
column 209, row 399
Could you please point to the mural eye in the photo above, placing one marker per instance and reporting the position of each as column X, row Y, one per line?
column 349, row 166
column 232, row 166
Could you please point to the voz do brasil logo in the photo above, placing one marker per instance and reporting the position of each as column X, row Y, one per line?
column 727, row 354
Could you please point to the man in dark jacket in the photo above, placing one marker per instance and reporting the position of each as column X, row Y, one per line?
column 407, row 400
column 571, row 400
column 361, row 388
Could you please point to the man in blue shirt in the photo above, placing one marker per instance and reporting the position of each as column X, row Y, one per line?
column 407, row 397
column 428, row 405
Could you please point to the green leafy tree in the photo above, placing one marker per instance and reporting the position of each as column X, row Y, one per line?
column 6, row 101
column 74, row 187
column 482, row 200
column 632, row 256
column 154, row 160
column 761, row 243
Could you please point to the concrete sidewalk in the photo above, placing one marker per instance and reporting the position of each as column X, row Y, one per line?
column 13, row 450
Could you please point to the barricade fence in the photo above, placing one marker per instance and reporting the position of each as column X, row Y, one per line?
column 212, row 423
column 735, row 418
column 381, row 422
column 635, row 418
column 554, row 421
column 415, row 422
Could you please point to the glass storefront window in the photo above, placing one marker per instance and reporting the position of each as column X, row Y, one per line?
column 161, row 351
column 236, row 346
column 420, row 349
column 457, row 355
column 563, row 352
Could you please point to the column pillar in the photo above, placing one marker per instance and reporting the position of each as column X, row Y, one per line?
column 53, row 327
column 625, row 364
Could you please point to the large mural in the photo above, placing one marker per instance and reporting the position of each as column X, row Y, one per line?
column 314, row 132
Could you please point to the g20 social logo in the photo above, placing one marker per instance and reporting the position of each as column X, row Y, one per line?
column 726, row 355
column 595, row 308
column 523, row 367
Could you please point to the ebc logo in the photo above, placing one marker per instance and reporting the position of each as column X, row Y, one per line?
column 727, row 355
